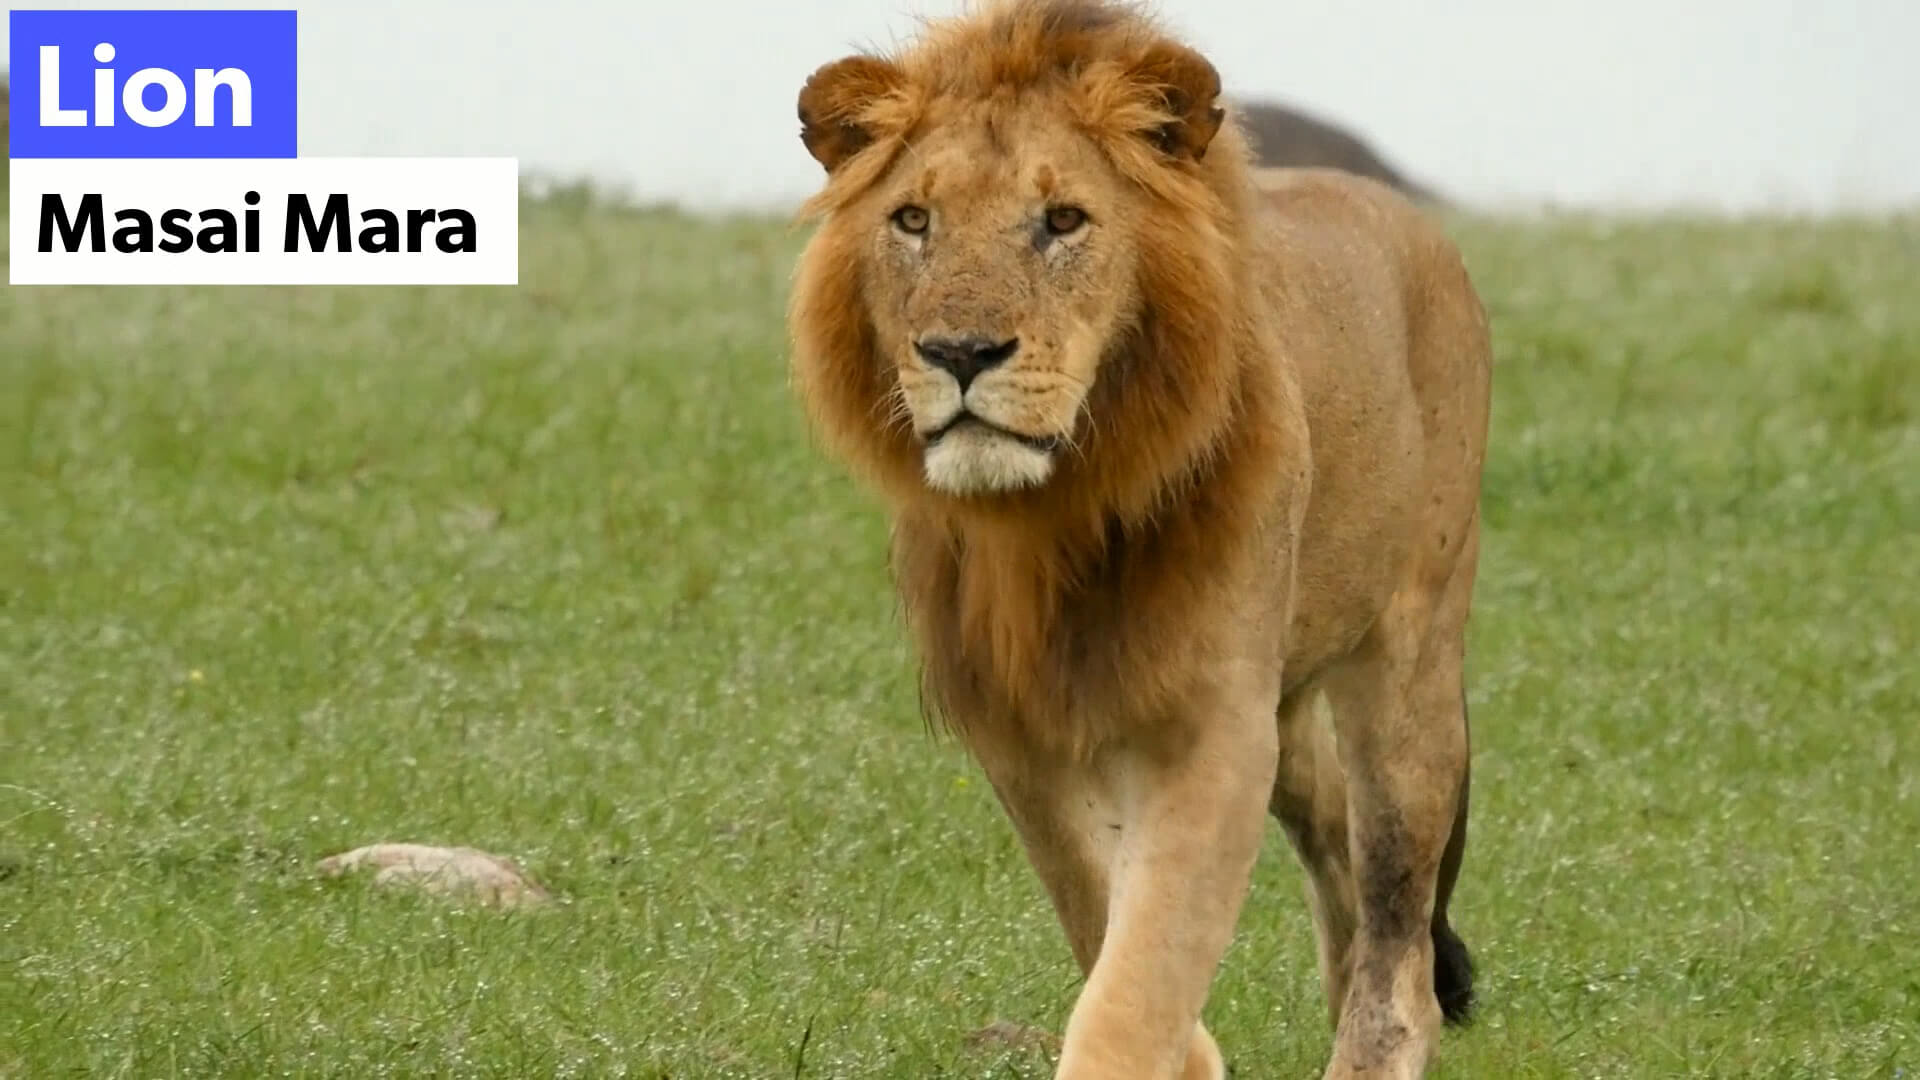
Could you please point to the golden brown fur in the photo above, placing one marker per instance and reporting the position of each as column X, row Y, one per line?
column 1173, row 448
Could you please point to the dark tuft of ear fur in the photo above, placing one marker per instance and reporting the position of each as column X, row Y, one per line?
column 832, row 101
column 1189, row 86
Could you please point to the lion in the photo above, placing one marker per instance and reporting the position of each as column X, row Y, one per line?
column 1173, row 450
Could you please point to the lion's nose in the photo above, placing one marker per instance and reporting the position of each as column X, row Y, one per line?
column 965, row 357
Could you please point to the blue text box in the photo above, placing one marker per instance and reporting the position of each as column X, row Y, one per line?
column 263, row 44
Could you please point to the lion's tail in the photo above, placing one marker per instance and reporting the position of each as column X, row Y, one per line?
column 1452, row 964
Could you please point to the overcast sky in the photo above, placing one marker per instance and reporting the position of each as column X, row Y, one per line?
column 1727, row 104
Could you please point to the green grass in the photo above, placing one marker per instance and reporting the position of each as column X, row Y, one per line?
column 555, row 571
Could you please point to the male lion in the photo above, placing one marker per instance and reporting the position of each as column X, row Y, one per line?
column 1170, row 453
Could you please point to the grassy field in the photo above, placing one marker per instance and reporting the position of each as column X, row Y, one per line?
column 554, row 571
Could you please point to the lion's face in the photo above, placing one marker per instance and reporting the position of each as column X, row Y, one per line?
column 999, row 264
column 1007, row 206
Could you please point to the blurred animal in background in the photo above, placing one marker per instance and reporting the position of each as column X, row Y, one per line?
column 1285, row 136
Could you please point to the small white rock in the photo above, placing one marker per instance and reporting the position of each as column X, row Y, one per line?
column 492, row 879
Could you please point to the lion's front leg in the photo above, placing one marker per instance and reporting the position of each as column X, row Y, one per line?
column 1148, row 851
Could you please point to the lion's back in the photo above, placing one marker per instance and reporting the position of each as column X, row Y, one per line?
column 1358, row 271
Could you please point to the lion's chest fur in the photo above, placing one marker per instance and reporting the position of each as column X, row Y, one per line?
column 1066, row 640
column 1015, row 641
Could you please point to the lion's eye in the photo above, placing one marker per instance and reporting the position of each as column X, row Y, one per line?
column 911, row 220
column 1062, row 220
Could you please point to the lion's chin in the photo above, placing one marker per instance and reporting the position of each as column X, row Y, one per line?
column 976, row 460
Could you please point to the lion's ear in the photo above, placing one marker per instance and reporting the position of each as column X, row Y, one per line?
column 832, row 104
column 1188, row 86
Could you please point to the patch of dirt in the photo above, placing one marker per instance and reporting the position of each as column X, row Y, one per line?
column 1005, row 1035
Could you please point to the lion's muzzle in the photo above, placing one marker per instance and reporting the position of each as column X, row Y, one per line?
column 975, row 410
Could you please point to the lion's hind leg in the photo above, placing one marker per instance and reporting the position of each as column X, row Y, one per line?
column 1310, row 802
column 1397, row 705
